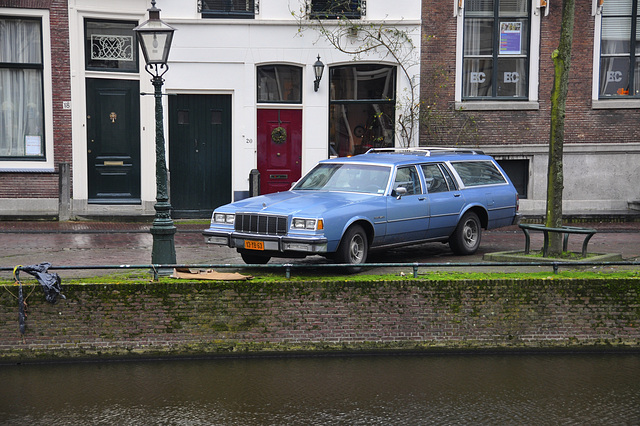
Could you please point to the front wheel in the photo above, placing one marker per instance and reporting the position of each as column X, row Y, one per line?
column 253, row 258
column 354, row 246
column 466, row 238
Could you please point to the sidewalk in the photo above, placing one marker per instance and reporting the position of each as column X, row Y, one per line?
column 93, row 243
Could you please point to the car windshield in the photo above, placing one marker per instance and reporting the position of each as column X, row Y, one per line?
column 346, row 177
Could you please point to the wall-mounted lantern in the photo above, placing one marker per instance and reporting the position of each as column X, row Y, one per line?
column 318, row 69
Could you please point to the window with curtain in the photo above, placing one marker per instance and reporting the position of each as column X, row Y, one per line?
column 496, row 49
column 620, row 49
column 361, row 108
column 21, row 89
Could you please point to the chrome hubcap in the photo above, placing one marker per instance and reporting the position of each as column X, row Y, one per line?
column 356, row 249
column 470, row 233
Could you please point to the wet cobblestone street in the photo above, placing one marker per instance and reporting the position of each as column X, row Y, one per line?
column 114, row 243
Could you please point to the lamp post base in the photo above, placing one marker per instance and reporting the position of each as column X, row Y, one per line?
column 164, row 250
column 163, row 231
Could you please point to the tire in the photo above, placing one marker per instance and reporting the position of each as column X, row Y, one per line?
column 466, row 238
column 354, row 247
column 254, row 259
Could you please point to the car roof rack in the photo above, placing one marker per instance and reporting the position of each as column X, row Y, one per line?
column 427, row 151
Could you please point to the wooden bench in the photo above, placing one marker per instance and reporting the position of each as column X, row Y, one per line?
column 565, row 230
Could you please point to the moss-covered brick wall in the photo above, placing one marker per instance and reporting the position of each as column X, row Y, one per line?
column 213, row 318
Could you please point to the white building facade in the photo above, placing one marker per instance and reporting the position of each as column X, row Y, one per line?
column 240, row 100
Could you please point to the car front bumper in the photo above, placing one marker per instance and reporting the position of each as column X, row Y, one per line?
column 273, row 243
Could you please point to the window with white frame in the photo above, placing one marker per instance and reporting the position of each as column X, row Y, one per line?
column 495, row 53
column 22, row 130
column 620, row 50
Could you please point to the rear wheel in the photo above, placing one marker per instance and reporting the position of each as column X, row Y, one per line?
column 354, row 246
column 253, row 258
column 466, row 238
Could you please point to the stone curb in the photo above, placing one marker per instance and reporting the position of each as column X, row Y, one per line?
column 519, row 256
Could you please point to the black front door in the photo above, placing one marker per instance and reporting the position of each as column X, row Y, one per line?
column 113, row 141
column 199, row 154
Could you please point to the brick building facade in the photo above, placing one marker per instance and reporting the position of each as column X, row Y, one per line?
column 31, row 183
column 601, row 132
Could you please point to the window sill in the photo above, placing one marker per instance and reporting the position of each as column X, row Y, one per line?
column 25, row 170
column 327, row 15
column 228, row 15
column 615, row 104
column 497, row 105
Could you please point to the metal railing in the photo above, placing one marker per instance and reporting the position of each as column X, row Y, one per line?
column 160, row 269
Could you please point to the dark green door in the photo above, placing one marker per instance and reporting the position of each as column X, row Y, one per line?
column 113, row 141
column 199, row 154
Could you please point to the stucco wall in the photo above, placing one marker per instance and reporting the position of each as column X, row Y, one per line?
column 596, row 176
column 220, row 56
column 209, row 318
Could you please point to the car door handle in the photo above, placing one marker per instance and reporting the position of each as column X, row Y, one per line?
column 422, row 198
column 456, row 195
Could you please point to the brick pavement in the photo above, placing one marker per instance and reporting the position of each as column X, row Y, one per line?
column 119, row 243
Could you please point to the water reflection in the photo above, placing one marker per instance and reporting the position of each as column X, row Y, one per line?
column 443, row 389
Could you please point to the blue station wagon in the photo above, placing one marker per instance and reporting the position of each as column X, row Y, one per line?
column 384, row 198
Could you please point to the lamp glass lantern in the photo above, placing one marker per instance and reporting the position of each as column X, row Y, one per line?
column 155, row 38
column 318, row 69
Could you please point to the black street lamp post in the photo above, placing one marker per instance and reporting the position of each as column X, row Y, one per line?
column 155, row 40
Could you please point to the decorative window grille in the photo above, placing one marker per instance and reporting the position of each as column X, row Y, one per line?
column 110, row 46
column 243, row 9
column 336, row 9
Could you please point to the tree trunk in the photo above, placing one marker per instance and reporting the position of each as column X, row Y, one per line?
column 555, row 177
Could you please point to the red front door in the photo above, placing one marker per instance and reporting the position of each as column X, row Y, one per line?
column 279, row 148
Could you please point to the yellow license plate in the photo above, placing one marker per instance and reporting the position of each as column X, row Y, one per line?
column 254, row 245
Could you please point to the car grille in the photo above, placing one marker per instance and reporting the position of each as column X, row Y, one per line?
column 261, row 224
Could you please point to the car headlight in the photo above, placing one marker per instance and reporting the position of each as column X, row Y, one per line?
column 227, row 218
column 311, row 224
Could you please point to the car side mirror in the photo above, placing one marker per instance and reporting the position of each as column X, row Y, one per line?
column 399, row 192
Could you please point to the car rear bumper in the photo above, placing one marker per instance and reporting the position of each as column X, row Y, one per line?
column 516, row 219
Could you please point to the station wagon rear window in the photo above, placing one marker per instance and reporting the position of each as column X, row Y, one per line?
column 477, row 173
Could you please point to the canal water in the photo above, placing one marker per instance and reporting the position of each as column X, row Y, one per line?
column 568, row 389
